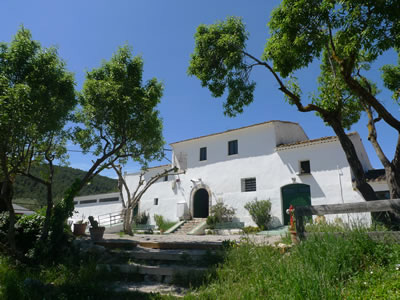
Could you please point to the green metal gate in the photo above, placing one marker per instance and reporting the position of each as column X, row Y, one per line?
column 294, row 194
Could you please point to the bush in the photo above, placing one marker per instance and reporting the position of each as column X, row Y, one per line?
column 222, row 213
column 260, row 212
column 163, row 224
column 142, row 218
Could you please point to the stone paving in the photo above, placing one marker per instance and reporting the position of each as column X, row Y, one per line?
column 211, row 239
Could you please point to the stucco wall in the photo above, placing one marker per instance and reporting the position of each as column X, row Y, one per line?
column 330, row 179
column 98, row 208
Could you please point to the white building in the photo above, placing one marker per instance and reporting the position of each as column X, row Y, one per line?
column 273, row 160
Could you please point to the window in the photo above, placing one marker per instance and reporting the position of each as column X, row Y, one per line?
column 114, row 199
column 249, row 185
column 305, row 167
column 76, row 202
column 88, row 201
column 155, row 201
column 232, row 147
column 203, row 153
column 166, row 178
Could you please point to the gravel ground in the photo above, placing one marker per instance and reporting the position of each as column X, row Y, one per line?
column 171, row 238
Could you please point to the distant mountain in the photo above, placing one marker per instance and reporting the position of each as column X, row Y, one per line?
column 33, row 194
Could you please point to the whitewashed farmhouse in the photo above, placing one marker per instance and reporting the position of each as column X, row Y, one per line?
column 273, row 160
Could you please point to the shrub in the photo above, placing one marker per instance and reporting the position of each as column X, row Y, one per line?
column 250, row 230
column 142, row 218
column 221, row 212
column 260, row 212
column 163, row 224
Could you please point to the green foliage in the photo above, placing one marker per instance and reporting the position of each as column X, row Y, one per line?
column 251, row 229
column 222, row 212
column 141, row 218
column 30, row 191
column 119, row 112
column 323, row 267
column 68, row 280
column 391, row 78
column 300, row 31
column 354, row 33
column 35, row 89
column 218, row 61
column 260, row 212
column 163, row 224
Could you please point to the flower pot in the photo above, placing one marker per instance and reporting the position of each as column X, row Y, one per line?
column 96, row 234
column 293, row 237
column 79, row 228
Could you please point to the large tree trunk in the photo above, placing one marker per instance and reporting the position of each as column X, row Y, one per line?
column 354, row 162
column 6, row 196
column 128, row 220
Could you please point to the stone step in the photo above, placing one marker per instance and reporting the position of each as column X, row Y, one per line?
column 169, row 270
column 149, row 287
column 188, row 226
column 164, row 255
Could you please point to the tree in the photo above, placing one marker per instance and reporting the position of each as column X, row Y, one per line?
column 118, row 114
column 133, row 199
column 53, row 147
column 36, row 96
column 302, row 31
column 353, row 34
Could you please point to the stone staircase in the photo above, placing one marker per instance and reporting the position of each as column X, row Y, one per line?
column 169, row 270
column 188, row 226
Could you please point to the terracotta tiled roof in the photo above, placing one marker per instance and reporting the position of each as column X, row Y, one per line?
column 230, row 130
column 325, row 139
column 376, row 175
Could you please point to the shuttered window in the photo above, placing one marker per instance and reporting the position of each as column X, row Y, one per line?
column 249, row 185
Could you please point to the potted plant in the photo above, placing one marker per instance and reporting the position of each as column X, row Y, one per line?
column 80, row 226
column 96, row 231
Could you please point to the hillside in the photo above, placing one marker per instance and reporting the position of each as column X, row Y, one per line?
column 32, row 194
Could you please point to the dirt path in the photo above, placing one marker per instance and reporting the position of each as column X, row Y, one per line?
column 171, row 238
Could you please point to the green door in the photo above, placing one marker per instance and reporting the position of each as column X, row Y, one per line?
column 296, row 195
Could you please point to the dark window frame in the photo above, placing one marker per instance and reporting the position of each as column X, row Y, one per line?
column 305, row 167
column 249, row 184
column 89, row 201
column 203, row 153
column 109, row 199
column 233, row 147
column 155, row 201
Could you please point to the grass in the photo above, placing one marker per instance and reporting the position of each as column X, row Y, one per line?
column 326, row 266
column 323, row 267
column 62, row 281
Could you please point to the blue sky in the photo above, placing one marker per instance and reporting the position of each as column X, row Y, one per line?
column 86, row 32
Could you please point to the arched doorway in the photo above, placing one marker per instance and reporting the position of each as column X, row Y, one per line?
column 294, row 194
column 200, row 203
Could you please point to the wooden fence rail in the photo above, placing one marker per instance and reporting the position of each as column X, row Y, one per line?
column 370, row 206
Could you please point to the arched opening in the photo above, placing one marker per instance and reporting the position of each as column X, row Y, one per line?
column 200, row 203
column 294, row 194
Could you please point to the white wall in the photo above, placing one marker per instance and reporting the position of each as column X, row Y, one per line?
column 98, row 208
column 258, row 157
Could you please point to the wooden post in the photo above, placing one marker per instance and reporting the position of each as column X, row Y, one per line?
column 299, row 224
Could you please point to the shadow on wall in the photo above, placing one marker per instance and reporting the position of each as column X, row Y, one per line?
column 291, row 161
